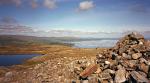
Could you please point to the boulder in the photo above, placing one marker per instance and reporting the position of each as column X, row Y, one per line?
column 120, row 75
column 138, row 77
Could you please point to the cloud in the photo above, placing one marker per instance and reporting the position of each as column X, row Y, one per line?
column 8, row 20
column 15, row 30
column 34, row 3
column 10, row 25
column 15, row 2
column 50, row 4
column 86, row 5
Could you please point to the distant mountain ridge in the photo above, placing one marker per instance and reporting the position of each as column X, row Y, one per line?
column 27, row 40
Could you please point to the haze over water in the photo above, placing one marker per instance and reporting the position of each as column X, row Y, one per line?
column 95, row 44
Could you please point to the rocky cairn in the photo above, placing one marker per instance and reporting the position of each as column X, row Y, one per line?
column 127, row 62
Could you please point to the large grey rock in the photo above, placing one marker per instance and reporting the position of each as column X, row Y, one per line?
column 139, row 78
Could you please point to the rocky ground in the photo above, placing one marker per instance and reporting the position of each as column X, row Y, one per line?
column 127, row 62
column 56, row 66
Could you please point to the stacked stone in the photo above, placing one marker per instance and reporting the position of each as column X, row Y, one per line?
column 128, row 61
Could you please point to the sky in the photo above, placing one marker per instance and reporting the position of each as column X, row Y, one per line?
column 65, row 16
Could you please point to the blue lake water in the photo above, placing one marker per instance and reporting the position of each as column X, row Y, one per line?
column 95, row 44
column 8, row 60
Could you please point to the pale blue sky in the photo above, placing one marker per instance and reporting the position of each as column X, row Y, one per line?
column 82, row 15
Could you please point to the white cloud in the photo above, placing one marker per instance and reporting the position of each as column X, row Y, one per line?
column 50, row 4
column 86, row 5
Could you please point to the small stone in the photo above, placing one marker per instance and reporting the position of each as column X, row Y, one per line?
column 136, row 55
column 129, row 69
column 120, row 75
column 118, row 57
column 107, row 62
column 93, row 79
column 114, row 56
column 105, row 76
column 111, row 81
column 109, row 71
column 106, row 66
column 113, row 64
column 148, row 62
column 127, row 75
column 100, row 55
column 78, row 81
column 140, row 43
column 135, row 35
column 138, row 77
column 124, row 55
column 105, row 81
column 142, row 60
column 144, row 67
column 98, row 70
column 124, row 64
column 85, row 81
column 132, row 63
column 8, row 74
column 133, row 42
column 73, row 81
column 119, row 67
column 122, row 50
column 77, row 70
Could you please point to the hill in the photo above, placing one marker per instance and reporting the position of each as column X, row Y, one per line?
column 31, row 40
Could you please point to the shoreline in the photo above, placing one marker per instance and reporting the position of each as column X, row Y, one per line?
column 49, row 52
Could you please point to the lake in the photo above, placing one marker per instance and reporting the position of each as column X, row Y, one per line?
column 94, row 43
column 8, row 60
